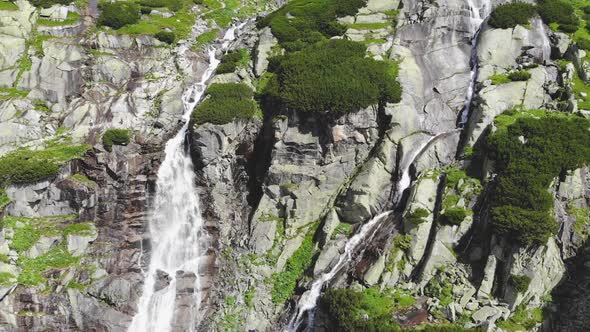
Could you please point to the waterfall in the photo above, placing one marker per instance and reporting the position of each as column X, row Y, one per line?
column 309, row 299
column 175, row 225
column 477, row 19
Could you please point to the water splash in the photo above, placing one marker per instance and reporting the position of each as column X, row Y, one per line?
column 176, row 225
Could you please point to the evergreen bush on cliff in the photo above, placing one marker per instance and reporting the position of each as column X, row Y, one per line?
column 559, row 11
column 118, row 14
column 512, row 14
column 370, row 310
column 331, row 76
column 224, row 103
column 28, row 166
column 527, row 159
column 302, row 22
column 115, row 137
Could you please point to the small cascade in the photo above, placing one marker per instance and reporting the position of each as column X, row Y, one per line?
column 539, row 27
column 308, row 301
column 176, row 226
column 478, row 16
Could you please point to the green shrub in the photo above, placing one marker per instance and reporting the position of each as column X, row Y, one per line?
column 284, row 282
column 116, row 137
column 522, row 320
column 511, row 14
column 49, row 3
column 521, row 204
column 145, row 10
column 173, row 5
column 27, row 166
column 370, row 310
column 417, row 216
column 118, row 14
column 453, row 216
column 583, row 44
column 167, row 37
column 520, row 282
column 302, row 22
column 232, row 61
column 331, row 76
column 557, row 11
column 568, row 28
column 224, row 103
column 521, row 75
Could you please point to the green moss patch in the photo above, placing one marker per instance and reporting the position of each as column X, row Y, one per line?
column 115, row 137
column 72, row 18
column 284, row 282
column 8, row 5
column 28, row 166
column 225, row 103
column 520, row 282
column 418, row 216
column 522, row 320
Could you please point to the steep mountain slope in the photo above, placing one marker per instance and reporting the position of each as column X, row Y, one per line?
column 377, row 165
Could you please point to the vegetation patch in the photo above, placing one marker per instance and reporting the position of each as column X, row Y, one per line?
column 115, row 137
column 9, row 93
column 83, row 179
column 331, row 76
column 520, row 282
column 512, row 14
column 49, row 3
column 118, row 14
column 33, row 268
column 8, row 5
column 522, row 320
column 369, row 310
column 72, row 18
column 234, row 60
column 28, row 166
column 453, row 216
column 225, row 103
column 167, row 37
column 520, row 75
column 559, row 12
column 205, row 38
column 283, row 283
column 418, row 216
column 526, row 161
column 4, row 199
column 302, row 22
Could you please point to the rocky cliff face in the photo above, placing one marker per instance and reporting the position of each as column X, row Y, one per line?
column 287, row 187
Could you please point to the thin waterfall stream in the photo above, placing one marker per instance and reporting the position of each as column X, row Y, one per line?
column 478, row 19
column 308, row 301
column 176, row 224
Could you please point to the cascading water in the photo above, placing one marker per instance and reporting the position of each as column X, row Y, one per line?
column 309, row 299
column 477, row 18
column 175, row 224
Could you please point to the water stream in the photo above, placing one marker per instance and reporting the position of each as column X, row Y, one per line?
column 478, row 16
column 175, row 225
column 308, row 301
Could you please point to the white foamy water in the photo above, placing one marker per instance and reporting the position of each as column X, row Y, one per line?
column 477, row 19
column 175, row 225
column 308, row 301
